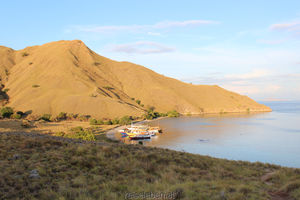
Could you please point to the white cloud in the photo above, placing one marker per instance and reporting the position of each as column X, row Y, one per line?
column 288, row 26
column 142, row 28
column 259, row 84
column 141, row 47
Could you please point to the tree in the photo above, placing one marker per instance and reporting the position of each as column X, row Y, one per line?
column 6, row 112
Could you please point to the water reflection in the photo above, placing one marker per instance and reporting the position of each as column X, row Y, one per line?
column 267, row 137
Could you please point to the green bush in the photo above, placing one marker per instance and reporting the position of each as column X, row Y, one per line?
column 125, row 120
column 20, row 113
column 93, row 122
column 62, row 116
column 60, row 134
column 173, row 113
column 35, row 86
column 85, row 135
column 76, row 129
column 46, row 117
column 100, row 122
column 71, row 116
column 108, row 122
column 138, row 101
column 96, row 122
column 115, row 121
column 79, row 133
column 151, row 114
column 84, row 117
column 108, row 87
column 16, row 116
column 163, row 114
column 25, row 54
column 6, row 112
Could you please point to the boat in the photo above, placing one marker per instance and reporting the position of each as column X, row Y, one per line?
column 137, row 132
column 140, row 137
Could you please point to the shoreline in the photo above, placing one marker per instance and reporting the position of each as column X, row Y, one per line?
column 110, row 134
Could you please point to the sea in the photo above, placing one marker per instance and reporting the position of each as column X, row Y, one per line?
column 269, row 137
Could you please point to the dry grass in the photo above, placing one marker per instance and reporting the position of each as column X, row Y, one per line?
column 89, row 171
column 10, row 125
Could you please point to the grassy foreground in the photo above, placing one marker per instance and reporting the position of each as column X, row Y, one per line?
column 37, row 167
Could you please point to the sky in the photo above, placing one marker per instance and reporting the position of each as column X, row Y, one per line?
column 249, row 47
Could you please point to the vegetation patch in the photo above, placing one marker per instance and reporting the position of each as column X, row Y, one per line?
column 6, row 112
column 46, row 117
column 108, row 87
column 173, row 113
column 24, row 54
column 50, row 168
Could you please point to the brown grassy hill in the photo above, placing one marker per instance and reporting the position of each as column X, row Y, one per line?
column 67, row 76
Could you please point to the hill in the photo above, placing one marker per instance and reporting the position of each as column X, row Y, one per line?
column 66, row 76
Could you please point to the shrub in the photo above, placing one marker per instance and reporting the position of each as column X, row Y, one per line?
column 151, row 114
column 46, row 117
column 163, row 114
column 16, row 116
column 25, row 54
column 62, row 116
column 6, row 112
column 132, row 98
column 138, row 101
column 60, row 134
column 108, row 87
column 85, row 135
column 100, row 122
column 173, row 113
column 71, row 116
column 125, row 120
column 97, row 63
column 93, row 122
column 76, row 129
column 84, row 117
column 96, row 122
column 20, row 113
column 115, row 121
column 6, row 90
column 79, row 133
column 108, row 122
column 35, row 86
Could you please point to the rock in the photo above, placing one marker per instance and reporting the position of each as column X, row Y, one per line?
column 222, row 195
column 34, row 174
column 267, row 176
column 16, row 156
column 26, row 124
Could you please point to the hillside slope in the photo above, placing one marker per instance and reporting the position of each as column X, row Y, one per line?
column 67, row 76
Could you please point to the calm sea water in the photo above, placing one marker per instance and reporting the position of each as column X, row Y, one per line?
column 272, row 137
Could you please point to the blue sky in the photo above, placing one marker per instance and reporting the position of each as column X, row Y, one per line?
column 250, row 47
